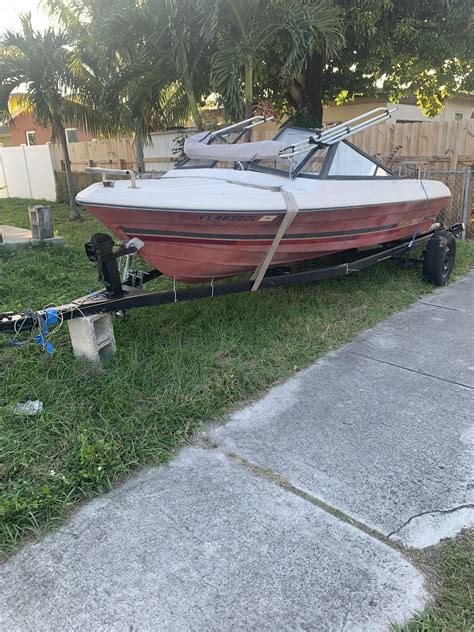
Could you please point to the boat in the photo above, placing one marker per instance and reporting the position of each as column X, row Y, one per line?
column 234, row 207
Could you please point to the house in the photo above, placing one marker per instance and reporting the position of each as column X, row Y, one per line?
column 460, row 108
column 26, row 132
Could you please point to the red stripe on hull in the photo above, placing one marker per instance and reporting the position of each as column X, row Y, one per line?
column 202, row 246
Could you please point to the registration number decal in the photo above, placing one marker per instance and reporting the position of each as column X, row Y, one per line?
column 229, row 218
column 237, row 218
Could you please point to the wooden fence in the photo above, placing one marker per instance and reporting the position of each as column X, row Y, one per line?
column 447, row 145
column 116, row 153
column 120, row 153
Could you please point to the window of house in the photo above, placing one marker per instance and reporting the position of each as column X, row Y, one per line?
column 71, row 135
column 458, row 116
column 31, row 137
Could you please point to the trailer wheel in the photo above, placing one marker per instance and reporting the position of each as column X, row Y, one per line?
column 438, row 260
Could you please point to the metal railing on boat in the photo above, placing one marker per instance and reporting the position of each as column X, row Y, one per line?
column 118, row 172
column 339, row 132
column 243, row 125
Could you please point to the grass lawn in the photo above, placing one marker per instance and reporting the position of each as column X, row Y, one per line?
column 450, row 571
column 176, row 366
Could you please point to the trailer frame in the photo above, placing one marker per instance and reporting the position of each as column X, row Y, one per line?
column 119, row 295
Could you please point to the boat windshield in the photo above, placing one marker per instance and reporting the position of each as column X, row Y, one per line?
column 293, row 152
column 289, row 136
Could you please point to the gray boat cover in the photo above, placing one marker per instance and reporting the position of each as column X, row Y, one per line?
column 196, row 147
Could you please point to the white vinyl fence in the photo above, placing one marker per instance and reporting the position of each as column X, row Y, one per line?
column 27, row 172
column 158, row 154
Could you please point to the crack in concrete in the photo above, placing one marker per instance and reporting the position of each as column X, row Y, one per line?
column 404, row 368
column 283, row 483
column 452, row 309
column 429, row 512
column 202, row 440
column 272, row 476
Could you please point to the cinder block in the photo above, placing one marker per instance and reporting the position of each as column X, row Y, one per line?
column 41, row 222
column 92, row 337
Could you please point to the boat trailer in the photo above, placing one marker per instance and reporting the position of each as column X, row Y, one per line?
column 127, row 292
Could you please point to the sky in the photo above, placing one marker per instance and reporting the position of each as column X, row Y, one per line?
column 11, row 9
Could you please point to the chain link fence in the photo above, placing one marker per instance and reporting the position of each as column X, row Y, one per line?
column 459, row 182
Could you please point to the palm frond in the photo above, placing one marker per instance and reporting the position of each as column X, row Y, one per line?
column 226, row 76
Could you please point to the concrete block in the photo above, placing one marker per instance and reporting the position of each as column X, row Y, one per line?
column 41, row 222
column 92, row 337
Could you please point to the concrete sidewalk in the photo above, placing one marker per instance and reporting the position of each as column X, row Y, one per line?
column 293, row 515
column 19, row 237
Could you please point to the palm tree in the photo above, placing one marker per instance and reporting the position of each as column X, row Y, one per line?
column 189, row 50
column 242, row 31
column 143, row 88
column 148, row 54
column 159, row 46
column 37, row 74
column 103, row 40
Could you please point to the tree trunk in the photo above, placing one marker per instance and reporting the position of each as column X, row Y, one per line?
column 196, row 114
column 313, row 88
column 305, row 93
column 248, row 89
column 73, row 210
column 139, row 152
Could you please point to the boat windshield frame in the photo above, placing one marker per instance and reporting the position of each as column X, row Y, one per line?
column 326, row 164
column 254, row 166
column 297, row 171
column 326, row 167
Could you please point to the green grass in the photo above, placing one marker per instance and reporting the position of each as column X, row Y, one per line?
column 176, row 366
column 450, row 567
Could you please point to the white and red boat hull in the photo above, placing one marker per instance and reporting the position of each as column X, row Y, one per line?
column 196, row 233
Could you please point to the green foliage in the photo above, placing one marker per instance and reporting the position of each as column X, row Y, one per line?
column 401, row 48
column 302, row 118
column 178, row 148
column 422, row 48
column 245, row 32
column 91, row 461
column 148, row 54
column 150, row 63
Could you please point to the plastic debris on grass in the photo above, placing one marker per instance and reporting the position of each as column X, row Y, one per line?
column 31, row 407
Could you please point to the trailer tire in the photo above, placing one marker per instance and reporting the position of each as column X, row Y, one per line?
column 438, row 260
